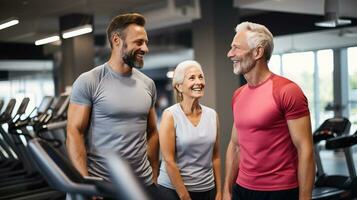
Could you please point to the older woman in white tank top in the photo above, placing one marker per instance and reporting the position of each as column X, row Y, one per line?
column 189, row 141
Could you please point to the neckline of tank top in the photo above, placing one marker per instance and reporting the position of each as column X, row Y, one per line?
column 198, row 124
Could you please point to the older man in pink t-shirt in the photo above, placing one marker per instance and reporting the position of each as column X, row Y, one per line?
column 270, row 155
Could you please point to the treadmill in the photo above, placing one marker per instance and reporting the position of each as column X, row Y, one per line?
column 332, row 186
column 62, row 176
column 345, row 142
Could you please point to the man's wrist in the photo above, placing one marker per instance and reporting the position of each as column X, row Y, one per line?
column 227, row 186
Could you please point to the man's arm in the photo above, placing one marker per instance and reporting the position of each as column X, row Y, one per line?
column 232, row 164
column 77, row 123
column 153, row 143
column 300, row 132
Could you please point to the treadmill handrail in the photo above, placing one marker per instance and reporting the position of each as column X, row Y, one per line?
column 123, row 176
column 48, row 160
column 342, row 141
column 6, row 115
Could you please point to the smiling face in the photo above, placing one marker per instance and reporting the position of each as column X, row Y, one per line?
column 241, row 54
column 134, row 46
column 193, row 84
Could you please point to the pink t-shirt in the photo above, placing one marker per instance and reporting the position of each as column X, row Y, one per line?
column 268, row 158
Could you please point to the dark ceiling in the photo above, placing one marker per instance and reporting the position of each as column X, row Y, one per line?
column 40, row 18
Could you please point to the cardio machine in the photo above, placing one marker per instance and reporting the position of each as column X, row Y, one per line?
column 346, row 141
column 22, row 182
column 332, row 186
column 62, row 176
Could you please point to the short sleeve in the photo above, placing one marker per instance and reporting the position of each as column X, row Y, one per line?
column 293, row 101
column 83, row 89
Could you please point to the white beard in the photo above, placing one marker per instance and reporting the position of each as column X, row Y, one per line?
column 243, row 67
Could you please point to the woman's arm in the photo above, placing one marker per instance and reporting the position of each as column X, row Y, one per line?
column 167, row 145
column 217, row 164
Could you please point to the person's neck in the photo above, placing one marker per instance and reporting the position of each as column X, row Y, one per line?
column 258, row 74
column 117, row 64
column 190, row 106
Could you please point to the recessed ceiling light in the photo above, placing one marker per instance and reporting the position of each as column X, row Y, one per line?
column 170, row 74
column 8, row 22
column 332, row 16
column 47, row 40
column 80, row 30
column 333, row 23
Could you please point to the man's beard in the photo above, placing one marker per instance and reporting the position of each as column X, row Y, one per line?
column 244, row 66
column 129, row 58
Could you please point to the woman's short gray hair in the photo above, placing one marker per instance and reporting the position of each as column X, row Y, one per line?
column 179, row 75
column 258, row 35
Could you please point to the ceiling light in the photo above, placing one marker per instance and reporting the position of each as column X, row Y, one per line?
column 333, row 23
column 80, row 30
column 9, row 22
column 47, row 40
column 332, row 18
column 170, row 74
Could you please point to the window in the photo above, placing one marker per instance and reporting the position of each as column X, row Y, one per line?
column 352, row 82
column 324, row 85
column 275, row 64
column 31, row 79
column 299, row 67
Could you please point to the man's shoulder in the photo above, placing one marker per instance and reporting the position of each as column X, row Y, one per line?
column 93, row 75
column 141, row 76
column 85, row 85
column 97, row 71
column 281, row 81
column 282, row 84
column 239, row 90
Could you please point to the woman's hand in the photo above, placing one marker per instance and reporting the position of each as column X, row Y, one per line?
column 185, row 197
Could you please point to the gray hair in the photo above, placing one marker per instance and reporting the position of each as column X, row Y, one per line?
column 258, row 35
column 179, row 75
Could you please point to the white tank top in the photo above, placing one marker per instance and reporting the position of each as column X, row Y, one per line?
column 194, row 150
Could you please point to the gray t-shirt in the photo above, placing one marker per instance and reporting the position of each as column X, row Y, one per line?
column 194, row 150
column 120, row 106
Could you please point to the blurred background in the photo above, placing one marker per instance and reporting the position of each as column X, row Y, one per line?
column 315, row 46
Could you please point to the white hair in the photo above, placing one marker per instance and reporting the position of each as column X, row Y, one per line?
column 258, row 35
column 179, row 75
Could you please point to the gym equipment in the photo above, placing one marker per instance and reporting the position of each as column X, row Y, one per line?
column 123, row 177
column 342, row 141
column 345, row 142
column 24, row 182
column 62, row 176
column 332, row 186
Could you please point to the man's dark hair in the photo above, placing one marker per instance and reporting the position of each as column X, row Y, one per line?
column 120, row 22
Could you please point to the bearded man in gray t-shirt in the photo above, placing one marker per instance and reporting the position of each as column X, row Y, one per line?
column 112, row 107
